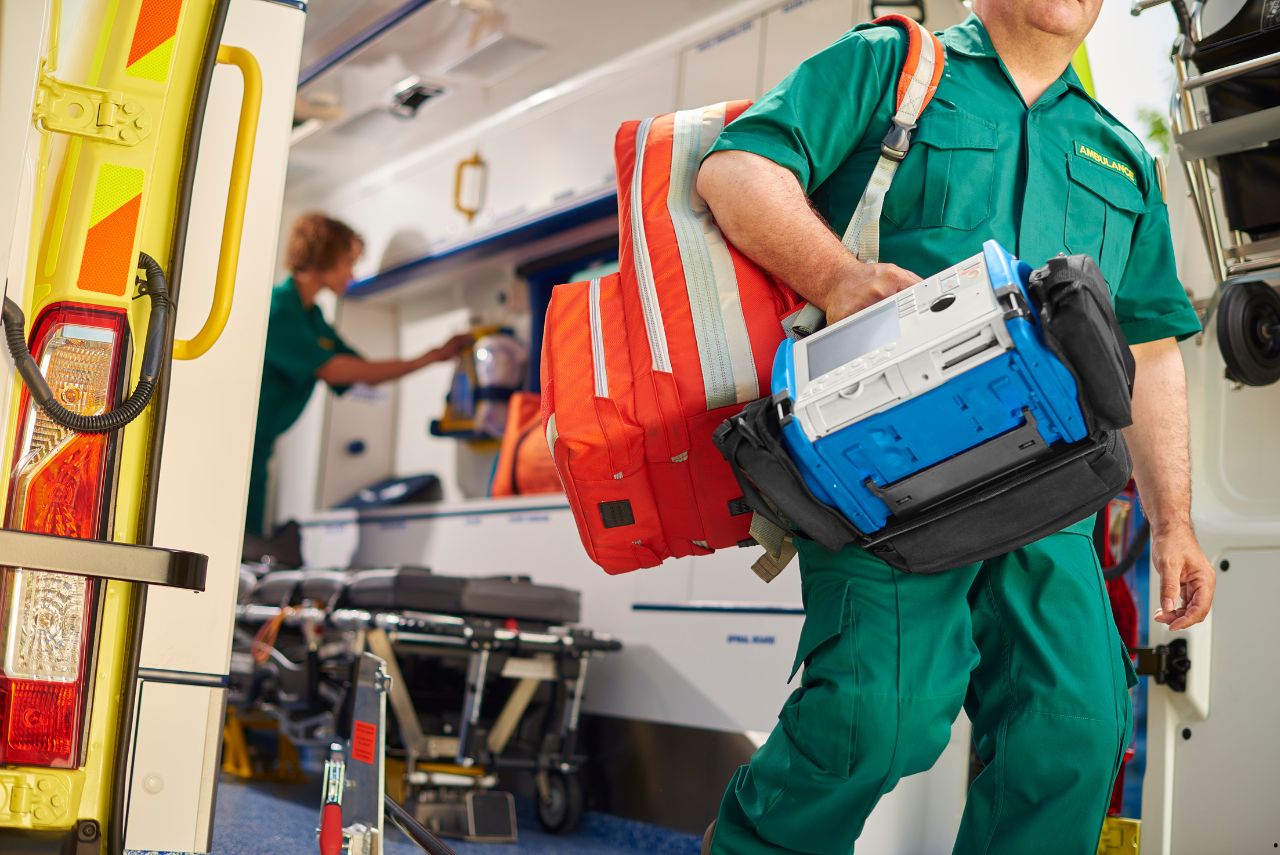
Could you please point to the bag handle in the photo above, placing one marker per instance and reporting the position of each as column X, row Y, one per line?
column 515, row 456
column 917, row 84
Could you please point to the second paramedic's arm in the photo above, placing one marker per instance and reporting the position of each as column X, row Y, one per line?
column 1154, row 313
column 765, row 165
column 764, row 212
column 1158, row 440
column 347, row 369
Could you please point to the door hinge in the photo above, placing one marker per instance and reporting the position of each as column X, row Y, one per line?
column 85, row 111
column 1167, row 663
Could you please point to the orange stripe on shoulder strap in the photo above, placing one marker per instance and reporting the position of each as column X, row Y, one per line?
column 919, row 39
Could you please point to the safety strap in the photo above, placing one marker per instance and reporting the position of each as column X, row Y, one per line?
column 779, row 548
column 917, row 84
column 921, row 72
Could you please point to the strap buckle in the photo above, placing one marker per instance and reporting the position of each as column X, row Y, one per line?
column 896, row 143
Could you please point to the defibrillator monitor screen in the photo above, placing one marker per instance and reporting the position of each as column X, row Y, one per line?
column 855, row 338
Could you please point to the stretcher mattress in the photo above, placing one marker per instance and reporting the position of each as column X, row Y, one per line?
column 294, row 587
column 415, row 589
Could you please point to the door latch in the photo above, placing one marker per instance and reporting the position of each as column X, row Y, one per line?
column 1168, row 663
column 86, row 111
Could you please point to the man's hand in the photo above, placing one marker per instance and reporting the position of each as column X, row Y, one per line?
column 1158, row 439
column 1186, row 577
column 869, row 284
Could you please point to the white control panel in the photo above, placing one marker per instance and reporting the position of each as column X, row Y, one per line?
column 898, row 348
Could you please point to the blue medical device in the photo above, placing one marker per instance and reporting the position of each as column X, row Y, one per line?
column 945, row 386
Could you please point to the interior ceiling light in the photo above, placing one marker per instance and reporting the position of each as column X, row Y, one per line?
column 492, row 51
column 408, row 96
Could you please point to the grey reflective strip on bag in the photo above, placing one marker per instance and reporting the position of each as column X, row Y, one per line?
column 644, row 273
column 720, row 326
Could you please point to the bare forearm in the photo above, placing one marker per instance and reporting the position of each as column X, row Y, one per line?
column 763, row 211
column 346, row 370
column 1159, row 436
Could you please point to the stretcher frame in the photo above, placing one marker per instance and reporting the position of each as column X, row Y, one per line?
column 531, row 657
column 1199, row 142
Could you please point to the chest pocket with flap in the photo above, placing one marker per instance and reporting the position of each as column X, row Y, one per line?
column 1102, row 207
column 947, row 176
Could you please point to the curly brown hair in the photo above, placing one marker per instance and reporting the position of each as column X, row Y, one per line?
column 317, row 242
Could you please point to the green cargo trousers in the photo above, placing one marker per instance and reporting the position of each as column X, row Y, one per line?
column 1025, row 643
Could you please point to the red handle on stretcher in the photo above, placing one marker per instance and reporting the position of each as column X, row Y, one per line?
column 331, row 829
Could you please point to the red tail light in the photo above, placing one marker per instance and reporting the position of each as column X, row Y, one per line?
column 59, row 486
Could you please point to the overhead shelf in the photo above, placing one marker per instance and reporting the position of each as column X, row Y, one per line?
column 549, row 224
column 360, row 40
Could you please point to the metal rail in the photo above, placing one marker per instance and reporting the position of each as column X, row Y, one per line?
column 148, row 565
column 1209, row 78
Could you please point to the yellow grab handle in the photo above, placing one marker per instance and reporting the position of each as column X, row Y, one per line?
column 224, row 286
column 473, row 162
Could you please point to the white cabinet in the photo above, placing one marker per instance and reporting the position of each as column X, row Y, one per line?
column 563, row 151
column 361, row 425
column 798, row 30
column 724, row 67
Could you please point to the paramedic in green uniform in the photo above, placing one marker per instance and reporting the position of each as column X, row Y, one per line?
column 302, row 348
column 1012, row 148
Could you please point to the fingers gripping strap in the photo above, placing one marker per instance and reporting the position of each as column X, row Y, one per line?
column 917, row 84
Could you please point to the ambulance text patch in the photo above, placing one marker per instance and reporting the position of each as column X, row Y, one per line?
column 1097, row 157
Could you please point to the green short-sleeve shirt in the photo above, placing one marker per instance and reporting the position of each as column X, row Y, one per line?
column 1061, row 176
column 299, row 342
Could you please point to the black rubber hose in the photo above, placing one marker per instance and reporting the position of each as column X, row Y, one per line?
column 1136, row 547
column 152, row 361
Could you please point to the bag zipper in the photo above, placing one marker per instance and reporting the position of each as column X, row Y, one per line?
column 597, row 342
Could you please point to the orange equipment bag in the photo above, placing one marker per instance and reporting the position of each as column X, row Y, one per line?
column 524, row 464
column 640, row 367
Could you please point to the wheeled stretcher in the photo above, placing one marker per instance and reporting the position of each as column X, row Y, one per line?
column 487, row 675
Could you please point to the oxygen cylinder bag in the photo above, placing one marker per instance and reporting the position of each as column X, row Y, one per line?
column 1004, row 512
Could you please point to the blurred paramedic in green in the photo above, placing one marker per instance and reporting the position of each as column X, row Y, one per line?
column 1012, row 148
column 302, row 348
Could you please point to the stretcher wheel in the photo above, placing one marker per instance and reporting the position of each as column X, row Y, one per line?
column 1249, row 332
column 560, row 803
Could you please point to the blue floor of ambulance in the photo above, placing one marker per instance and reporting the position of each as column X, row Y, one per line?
column 281, row 820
